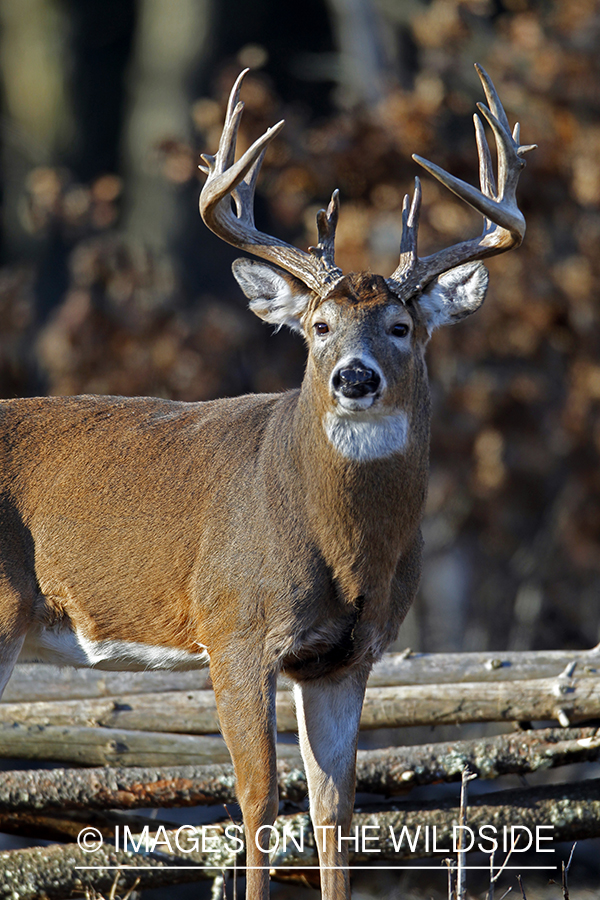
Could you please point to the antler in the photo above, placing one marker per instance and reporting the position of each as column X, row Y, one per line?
column 228, row 179
column 503, row 222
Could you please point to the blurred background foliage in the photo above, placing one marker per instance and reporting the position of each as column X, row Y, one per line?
column 110, row 283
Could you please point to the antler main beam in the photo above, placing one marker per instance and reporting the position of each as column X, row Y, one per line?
column 237, row 180
column 504, row 225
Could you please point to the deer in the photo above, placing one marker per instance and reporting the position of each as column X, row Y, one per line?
column 262, row 534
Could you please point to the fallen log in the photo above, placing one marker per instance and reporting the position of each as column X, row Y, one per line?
column 115, row 747
column 396, row 770
column 64, row 826
column 58, row 871
column 564, row 699
column 567, row 699
column 569, row 812
column 453, row 668
column 38, row 681
column 39, row 827
column 391, row 772
column 182, row 712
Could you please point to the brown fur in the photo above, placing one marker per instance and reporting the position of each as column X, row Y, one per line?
column 232, row 524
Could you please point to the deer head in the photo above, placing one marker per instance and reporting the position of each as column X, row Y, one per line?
column 365, row 333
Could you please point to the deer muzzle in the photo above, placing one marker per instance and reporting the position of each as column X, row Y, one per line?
column 354, row 380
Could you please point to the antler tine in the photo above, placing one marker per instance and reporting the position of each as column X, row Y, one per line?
column 492, row 97
column 509, row 219
column 228, row 179
column 410, row 233
column 227, row 142
column 243, row 194
column 410, row 221
column 233, row 117
column 509, row 162
column 327, row 221
column 486, row 171
column 504, row 225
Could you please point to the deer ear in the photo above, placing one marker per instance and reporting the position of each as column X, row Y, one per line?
column 274, row 295
column 454, row 295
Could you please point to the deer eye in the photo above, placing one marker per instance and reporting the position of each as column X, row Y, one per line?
column 321, row 327
column 400, row 329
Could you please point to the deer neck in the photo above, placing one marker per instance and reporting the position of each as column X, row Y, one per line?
column 354, row 506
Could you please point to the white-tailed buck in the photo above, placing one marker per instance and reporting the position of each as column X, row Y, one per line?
column 262, row 534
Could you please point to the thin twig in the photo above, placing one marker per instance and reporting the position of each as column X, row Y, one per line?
column 450, row 866
column 234, row 892
column 461, row 876
column 490, row 892
column 113, row 890
column 217, row 886
column 513, row 847
column 131, row 889
column 565, row 873
column 92, row 894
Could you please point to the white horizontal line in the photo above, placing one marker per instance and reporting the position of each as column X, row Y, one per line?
column 304, row 868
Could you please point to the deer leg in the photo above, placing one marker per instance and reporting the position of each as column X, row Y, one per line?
column 246, row 707
column 13, row 628
column 18, row 587
column 328, row 717
column 9, row 653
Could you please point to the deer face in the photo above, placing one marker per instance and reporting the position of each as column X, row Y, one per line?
column 365, row 353
column 361, row 342
column 366, row 369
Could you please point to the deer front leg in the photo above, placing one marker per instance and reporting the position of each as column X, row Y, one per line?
column 245, row 696
column 13, row 624
column 9, row 653
column 328, row 717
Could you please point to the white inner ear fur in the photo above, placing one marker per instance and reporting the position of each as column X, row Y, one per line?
column 454, row 295
column 274, row 296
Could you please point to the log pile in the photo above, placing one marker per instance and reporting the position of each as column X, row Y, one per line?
column 152, row 741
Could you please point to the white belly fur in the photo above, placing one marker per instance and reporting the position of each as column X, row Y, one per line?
column 62, row 646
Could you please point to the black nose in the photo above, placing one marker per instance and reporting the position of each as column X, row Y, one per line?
column 356, row 380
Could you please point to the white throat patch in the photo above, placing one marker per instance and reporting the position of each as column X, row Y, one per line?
column 370, row 438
